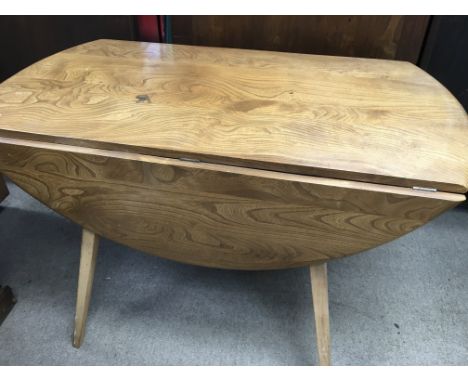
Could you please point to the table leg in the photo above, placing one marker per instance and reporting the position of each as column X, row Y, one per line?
column 89, row 247
column 319, row 282
column 3, row 188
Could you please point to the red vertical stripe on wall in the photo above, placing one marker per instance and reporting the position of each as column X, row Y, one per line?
column 151, row 28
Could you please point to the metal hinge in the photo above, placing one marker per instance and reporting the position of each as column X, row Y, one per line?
column 189, row 160
column 427, row 189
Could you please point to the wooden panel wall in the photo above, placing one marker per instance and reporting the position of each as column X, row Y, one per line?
column 27, row 39
column 445, row 54
column 392, row 37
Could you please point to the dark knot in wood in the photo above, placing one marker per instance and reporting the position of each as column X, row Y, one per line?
column 143, row 98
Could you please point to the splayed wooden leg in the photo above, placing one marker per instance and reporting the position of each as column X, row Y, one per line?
column 319, row 282
column 89, row 246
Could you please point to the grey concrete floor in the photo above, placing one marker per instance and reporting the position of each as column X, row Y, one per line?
column 404, row 303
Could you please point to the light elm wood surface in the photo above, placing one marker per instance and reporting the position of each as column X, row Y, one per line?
column 319, row 282
column 89, row 249
column 376, row 121
column 216, row 215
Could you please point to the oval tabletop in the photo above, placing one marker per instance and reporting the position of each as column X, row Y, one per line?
column 376, row 121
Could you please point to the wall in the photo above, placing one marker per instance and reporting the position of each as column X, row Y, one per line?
column 445, row 54
column 392, row 37
column 27, row 39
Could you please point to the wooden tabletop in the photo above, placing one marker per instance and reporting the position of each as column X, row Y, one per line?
column 370, row 120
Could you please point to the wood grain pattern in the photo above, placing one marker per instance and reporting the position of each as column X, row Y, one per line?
column 391, row 37
column 216, row 215
column 3, row 188
column 377, row 121
column 89, row 249
column 319, row 282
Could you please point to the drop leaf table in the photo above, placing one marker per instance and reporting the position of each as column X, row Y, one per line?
column 231, row 158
